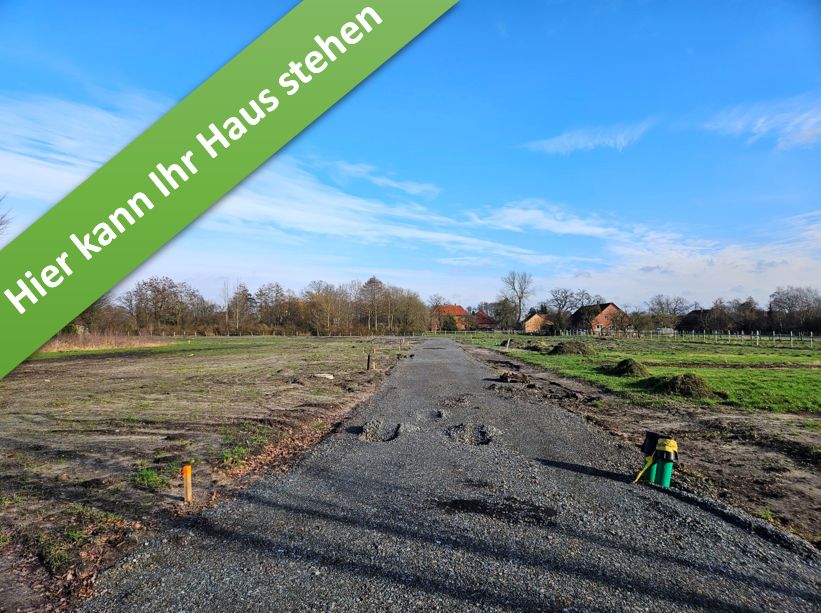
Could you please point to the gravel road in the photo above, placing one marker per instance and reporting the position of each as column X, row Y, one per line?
column 483, row 499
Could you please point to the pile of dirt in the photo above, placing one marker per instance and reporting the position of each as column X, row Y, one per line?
column 407, row 429
column 469, row 434
column 688, row 385
column 572, row 348
column 538, row 346
column 511, row 376
column 629, row 368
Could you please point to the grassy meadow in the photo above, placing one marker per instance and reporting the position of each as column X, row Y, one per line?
column 742, row 375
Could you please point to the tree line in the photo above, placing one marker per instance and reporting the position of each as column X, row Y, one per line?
column 162, row 306
column 789, row 309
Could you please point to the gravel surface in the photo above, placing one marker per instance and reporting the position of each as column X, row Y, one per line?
column 479, row 500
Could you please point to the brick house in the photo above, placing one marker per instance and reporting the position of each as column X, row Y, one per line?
column 598, row 319
column 440, row 313
column 538, row 323
column 485, row 322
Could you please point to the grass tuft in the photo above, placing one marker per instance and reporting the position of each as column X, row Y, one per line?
column 150, row 479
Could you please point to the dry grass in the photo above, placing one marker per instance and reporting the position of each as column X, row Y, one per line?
column 92, row 457
column 91, row 342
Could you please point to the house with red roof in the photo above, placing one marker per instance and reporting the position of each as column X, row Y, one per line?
column 598, row 319
column 485, row 322
column 440, row 316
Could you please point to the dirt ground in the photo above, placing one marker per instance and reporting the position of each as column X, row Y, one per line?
column 765, row 463
column 455, row 489
column 91, row 447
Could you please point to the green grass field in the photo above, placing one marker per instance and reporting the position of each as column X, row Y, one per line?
column 744, row 376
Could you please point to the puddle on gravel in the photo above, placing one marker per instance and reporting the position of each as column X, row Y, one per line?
column 509, row 509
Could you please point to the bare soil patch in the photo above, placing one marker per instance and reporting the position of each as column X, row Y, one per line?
column 513, row 376
column 91, row 447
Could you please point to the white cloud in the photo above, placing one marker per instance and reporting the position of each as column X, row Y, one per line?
column 285, row 223
column 286, row 196
column 534, row 214
column 616, row 137
column 702, row 270
column 792, row 122
column 346, row 170
column 49, row 146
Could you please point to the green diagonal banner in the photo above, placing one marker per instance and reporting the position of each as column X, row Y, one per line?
column 193, row 156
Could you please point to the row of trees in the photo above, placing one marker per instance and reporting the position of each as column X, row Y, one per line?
column 160, row 305
column 796, row 309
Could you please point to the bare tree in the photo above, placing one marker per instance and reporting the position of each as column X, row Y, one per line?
column 582, row 298
column 226, row 301
column 371, row 295
column 667, row 310
column 561, row 301
column 794, row 307
column 517, row 287
column 435, row 303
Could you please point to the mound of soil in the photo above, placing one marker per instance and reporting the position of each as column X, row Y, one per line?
column 377, row 431
column 538, row 346
column 572, row 348
column 629, row 368
column 511, row 376
column 689, row 385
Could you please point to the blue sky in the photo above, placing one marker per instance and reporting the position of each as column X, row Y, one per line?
column 629, row 148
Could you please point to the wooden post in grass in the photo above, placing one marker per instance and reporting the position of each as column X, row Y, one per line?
column 371, row 360
column 188, row 492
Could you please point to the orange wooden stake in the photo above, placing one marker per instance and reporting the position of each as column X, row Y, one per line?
column 186, row 479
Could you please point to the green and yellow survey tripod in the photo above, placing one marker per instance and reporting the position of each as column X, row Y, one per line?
column 660, row 453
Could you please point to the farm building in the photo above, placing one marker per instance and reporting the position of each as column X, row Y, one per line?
column 441, row 314
column 538, row 323
column 596, row 318
column 485, row 322
column 695, row 320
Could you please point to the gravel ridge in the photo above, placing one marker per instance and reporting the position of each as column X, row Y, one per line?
column 534, row 511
